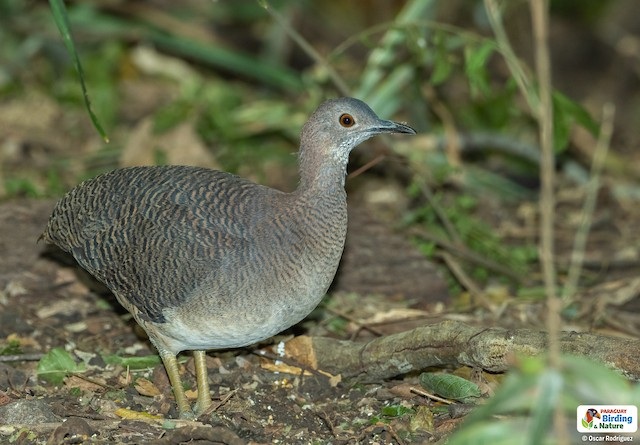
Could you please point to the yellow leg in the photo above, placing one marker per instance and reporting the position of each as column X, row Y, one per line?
column 171, row 365
column 202, row 380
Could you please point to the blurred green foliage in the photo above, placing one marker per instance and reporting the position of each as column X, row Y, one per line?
column 524, row 407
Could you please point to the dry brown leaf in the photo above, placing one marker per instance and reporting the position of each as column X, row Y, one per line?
column 278, row 366
column 334, row 380
column 74, row 381
column 191, row 394
column 301, row 350
column 146, row 387
column 72, row 285
column 404, row 390
column 298, row 349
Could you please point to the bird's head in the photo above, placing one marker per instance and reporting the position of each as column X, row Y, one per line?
column 339, row 125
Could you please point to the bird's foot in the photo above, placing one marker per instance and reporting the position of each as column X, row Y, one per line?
column 187, row 415
column 202, row 406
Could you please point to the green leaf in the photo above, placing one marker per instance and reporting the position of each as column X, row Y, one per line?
column 147, row 361
column 566, row 113
column 449, row 386
column 396, row 411
column 475, row 66
column 62, row 22
column 56, row 365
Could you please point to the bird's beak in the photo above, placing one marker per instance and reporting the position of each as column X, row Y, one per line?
column 394, row 127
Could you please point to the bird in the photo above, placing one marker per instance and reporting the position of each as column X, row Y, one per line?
column 206, row 260
column 590, row 414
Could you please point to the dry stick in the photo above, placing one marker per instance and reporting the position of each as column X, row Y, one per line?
column 467, row 282
column 424, row 393
column 223, row 400
column 586, row 217
column 453, row 343
column 307, row 48
column 22, row 357
column 504, row 46
column 544, row 113
column 90, row 380
column 540, row 22
column 375, row 161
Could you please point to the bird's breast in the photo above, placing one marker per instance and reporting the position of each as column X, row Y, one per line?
column 282, row 277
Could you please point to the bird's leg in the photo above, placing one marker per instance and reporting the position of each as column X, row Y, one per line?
column 202, row 380
column 171, row 365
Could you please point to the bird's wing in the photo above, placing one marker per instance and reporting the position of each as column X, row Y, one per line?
column 153, row 234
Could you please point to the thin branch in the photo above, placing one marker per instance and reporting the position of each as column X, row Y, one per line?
column 32, row 357
column 424, row 393
column 372, row 163
column 453, row 343
column 467, row 282
column 586, row 217
column 544, row 114
column 515, row 67
column 540, row 21
column 340, row 85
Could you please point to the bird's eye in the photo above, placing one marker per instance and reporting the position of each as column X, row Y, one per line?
column 346, row 120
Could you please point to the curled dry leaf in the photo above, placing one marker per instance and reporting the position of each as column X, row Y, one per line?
column 146, row 387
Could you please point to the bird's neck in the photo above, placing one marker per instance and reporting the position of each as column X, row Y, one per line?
column 321, row 172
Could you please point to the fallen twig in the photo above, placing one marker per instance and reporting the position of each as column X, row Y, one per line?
column 452, row 343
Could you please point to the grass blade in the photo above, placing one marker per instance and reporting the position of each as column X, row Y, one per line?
column 62, row 22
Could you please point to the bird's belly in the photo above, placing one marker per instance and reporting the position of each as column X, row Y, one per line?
column 210, row 334
column 222, row 330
